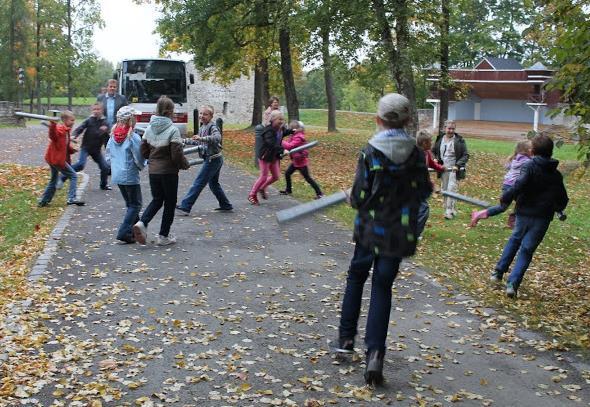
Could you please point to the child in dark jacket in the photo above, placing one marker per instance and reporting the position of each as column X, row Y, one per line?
column 539, row 193
column 522, row 154
column 57, row 156
column 96, row 134
column 299, row 160
column 390, row 183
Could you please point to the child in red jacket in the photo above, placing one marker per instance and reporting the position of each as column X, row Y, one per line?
column 299, row 160
column 424, row 141
column 57, row 156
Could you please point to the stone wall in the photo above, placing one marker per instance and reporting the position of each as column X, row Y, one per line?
column 80, row 111
column 7, row 116
column 233, row 103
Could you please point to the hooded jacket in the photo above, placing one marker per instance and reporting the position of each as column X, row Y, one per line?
column 461, row 153
column 539, row 190
column 94, row 138
column 59, row 149
column 299, row 158
column 271, row 147
column 126, row 159
column 514, row 168
column 390, row 182
column 162, row 146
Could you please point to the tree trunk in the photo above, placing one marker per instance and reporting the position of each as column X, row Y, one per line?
column 12, row 53
column 287, row 73
column 444, row 65
column 330, row 96
column 70, row 56
column 266, row 82
column 399, row 61
column 38, row 58
column 258, row 106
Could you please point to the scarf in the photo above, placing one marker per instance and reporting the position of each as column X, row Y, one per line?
column 121, row 132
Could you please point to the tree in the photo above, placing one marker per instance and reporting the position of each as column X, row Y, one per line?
column 15, row 34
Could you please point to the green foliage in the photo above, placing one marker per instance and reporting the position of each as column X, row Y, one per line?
column 357, row 98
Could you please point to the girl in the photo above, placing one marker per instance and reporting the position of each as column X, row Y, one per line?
column 269, row 155
column 522, row 154
column 126, row 162
column 299, row 159
column 162, row 145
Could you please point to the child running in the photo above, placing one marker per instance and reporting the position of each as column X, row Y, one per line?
column 124, row 146
column 424, row 141
column 299, row 160
column 539, row 193
column 57, row 156
column 162, row 146
column 522, row 154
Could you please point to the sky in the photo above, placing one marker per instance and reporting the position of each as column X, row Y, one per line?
column 128, row 32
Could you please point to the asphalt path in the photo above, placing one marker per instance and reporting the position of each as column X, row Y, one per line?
column 238, row 312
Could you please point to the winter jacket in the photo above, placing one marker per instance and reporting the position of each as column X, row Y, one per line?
column 210, row 137
column 514, row 168
column 94, row 138
column 59, row 149
column 271, row 148
column 126, row 160
column 432, row 163
column 299, row 158
column 162, row 146
column 539, row 190
column 461, row 153
column 390, row 182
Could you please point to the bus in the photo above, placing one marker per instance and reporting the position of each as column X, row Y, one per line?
column 143, row 81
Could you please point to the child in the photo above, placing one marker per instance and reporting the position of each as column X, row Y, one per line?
column 522, row 154
column 424, row 141
column 57, row 156
column 299, row 160
column 391, row 180
column 95, row 131
column 124, row 146
column 539, row 193
column 209, row 137
column 162, row 145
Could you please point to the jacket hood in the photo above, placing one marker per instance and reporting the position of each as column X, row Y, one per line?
column 160, row 124
column 547, row 163
column 395, row 144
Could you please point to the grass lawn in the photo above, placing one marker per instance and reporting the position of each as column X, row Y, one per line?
column 554, row 297
column 23, row 226
column 76, row 101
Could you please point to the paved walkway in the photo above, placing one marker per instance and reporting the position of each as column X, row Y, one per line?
column 239, row 310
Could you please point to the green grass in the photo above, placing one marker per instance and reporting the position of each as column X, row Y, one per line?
column 76, row 101
column 566, row 152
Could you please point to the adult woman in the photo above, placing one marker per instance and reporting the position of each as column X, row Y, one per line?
column 273, row 104
column 269, row 155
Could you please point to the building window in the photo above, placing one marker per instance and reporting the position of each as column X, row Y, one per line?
column 225, row 104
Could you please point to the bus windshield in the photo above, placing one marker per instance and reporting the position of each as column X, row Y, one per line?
column 144, row 81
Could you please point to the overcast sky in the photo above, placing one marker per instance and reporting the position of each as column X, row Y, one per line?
column 128, row 31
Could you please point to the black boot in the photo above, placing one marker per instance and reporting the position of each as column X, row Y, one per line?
column 374, row 369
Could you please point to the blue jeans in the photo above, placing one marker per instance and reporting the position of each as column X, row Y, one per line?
column 528, row 233
column 132, row 196
column 498, row 209
column 67, row 172
column 209, row 174
column 99, row 159
column 385, row 270
column 423, row 213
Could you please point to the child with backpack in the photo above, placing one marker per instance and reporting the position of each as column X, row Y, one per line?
column 522, row 154
column 299, row 159
column 209, row 138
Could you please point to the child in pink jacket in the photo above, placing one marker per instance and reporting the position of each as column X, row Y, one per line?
column 299, row 160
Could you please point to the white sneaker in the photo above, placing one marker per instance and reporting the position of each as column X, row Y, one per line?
column 140, row 232
column 166, row 240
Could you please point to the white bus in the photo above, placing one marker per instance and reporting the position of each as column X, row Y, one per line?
column 143, row 81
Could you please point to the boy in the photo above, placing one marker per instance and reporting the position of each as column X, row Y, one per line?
column 57, row 156
column 95, row 131
column 391, row 180
column 210, row 138
column 424, row 141
column 539, row 193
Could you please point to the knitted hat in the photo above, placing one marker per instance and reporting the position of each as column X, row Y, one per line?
column 393, row 107
column 125, row 113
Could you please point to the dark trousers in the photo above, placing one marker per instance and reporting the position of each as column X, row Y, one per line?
column 164, row 190
column 385, row 270
column 99, row 159
column 305, row 172
column 132, row 196
column 423, row 213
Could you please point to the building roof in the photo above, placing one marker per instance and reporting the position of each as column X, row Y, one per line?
column 501, row 64
column 538, row 66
